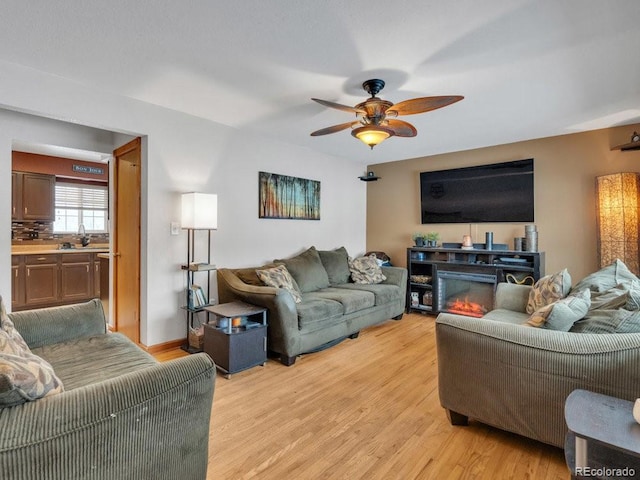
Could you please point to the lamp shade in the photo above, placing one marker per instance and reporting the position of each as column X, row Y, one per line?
column 618, row 223
column 200, row 211
column 372, row 135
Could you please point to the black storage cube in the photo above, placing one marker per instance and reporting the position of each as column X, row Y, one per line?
column 238, row 350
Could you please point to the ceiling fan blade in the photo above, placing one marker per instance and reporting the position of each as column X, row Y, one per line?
column 334, row 129
column 402, row 129
column 422, row 104
column 339, row 106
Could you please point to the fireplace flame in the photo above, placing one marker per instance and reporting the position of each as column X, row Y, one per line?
column 466, row 307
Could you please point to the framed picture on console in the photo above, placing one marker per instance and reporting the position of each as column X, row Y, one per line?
column 285, row 197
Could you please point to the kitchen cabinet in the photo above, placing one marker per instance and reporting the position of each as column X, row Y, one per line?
column 76, row 276
column 17, row 281
column 41, row 280
column 33, row 197
column 54, row 279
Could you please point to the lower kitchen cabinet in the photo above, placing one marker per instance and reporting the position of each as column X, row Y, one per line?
column 53, row 279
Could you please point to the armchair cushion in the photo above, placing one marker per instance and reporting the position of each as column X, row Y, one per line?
column 607, row 278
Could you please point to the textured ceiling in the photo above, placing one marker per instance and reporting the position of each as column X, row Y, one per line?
column 527, row 69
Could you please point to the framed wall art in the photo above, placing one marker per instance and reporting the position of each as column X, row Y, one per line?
column 282, row 196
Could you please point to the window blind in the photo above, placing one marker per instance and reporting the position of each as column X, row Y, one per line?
column 81, row 197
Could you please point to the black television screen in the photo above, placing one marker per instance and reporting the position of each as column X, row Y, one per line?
column 500, row 192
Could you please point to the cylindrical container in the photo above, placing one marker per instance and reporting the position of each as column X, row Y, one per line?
column 530, row 228
column 488, row 240
column 532, row 241
column 517, row 244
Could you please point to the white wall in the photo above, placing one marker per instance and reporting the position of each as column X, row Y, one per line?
column 186, row 153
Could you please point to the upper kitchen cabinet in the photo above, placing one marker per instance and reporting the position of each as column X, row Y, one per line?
column 33, row 197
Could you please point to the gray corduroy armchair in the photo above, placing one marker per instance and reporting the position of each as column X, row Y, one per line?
column 517, row 378
column 122, row 415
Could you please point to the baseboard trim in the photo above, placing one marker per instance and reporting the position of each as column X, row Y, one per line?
column 164, row 347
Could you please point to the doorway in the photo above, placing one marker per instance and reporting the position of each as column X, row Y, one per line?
column 126, row 239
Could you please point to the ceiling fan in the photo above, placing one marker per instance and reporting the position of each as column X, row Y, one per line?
column 376, row 117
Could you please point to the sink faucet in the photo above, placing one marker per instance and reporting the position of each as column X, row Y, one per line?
column 83, row 235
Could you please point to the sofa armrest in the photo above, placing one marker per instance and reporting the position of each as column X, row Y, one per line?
column 153, row 423
column 46, row 326
column 511, row 296
column 395, row 276
column 518, row 378
column 282, row 317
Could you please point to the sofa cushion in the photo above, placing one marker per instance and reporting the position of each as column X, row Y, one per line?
column 318, row 313
column 351, row 300
column 24, row 376
column 384, row 293
column 611, row 299
column 307, row 270
column 609, row 321
column 506, row 316
column 562, row 314
column 336, row 263
column 607, row 278
column 548, row 289
column 280, row 277
column 366, row 270
column 87, row 360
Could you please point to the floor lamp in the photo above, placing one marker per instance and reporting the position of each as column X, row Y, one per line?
column 618, row 225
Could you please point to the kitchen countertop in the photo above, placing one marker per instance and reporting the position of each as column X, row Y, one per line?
column 52, row 248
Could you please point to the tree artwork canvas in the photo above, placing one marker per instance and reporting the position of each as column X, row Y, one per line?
column 282, row 196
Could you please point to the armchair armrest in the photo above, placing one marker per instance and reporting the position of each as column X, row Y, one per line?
column 518, row 378
column 46, row 326
column 147, row 424
column 511, row 296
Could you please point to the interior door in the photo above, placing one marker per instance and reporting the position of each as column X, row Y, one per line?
column 126, row 247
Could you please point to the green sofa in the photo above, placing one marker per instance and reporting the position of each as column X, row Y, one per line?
column 121, row 415
column 333, row 307
column 515, row 377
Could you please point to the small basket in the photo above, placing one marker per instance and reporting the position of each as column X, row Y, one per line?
column 196, row 337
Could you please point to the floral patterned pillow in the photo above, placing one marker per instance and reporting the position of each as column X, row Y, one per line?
column 24, row 376
column 562, row 314
column 280, row 277
column 365, row 270
column 548, row 290
column 7, row 325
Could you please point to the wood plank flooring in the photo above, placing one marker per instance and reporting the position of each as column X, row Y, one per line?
column 365, row 409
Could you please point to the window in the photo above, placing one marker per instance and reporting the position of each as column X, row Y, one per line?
column 80, row 204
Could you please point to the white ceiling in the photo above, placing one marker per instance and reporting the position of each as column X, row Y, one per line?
column 527, row 69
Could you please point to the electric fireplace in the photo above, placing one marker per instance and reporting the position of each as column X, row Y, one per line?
column 469, row 294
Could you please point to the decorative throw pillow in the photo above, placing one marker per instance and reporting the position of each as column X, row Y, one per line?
column 7, row 325
column 549, row 289
column 608, row 277
column 280, row 277
column 307, row 270
column 366, row 270
column 24, row 376
column 336, row 263
column 562, row 314
column 633, row 296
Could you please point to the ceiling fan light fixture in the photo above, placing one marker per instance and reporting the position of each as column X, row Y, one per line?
column 372, row 135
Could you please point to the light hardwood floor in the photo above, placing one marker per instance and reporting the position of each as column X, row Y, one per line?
column 365, row 409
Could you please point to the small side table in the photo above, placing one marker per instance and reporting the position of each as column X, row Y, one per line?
column 237, row 339
column 603, row 437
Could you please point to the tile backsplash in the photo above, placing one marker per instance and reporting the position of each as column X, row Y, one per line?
column 42, row 232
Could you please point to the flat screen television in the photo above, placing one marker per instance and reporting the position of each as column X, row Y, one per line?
column 500, row 192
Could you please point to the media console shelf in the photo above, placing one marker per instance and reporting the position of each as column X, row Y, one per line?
column 424, row 294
